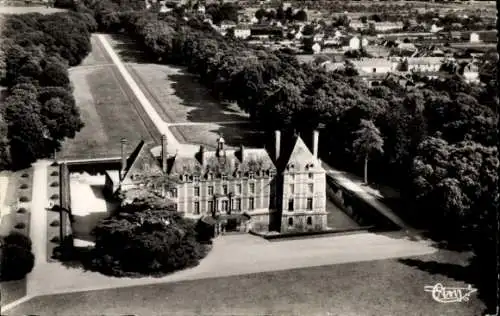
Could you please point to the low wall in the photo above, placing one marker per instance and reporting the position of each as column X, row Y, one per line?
column 360, row 211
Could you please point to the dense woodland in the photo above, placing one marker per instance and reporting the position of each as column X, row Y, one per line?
column 39, row 110
column 438, row 141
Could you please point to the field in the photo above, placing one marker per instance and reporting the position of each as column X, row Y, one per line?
column 380, row 287
column 234, row 135
column 108, row 109
column 30, row 9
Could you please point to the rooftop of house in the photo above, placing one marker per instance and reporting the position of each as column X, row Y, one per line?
column 372, row 62
column 293, row 154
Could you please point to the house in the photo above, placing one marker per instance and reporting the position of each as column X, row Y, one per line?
column 424, row 64
column 357, row 25
column 387, row 26
column 474, row 37
column 283, row 189
column 356, row 43
column 316, row 48
column 471, row 73
column 435, row 28
column 242, row 32
column 374, row 65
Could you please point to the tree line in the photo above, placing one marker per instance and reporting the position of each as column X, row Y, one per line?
column 39, row 110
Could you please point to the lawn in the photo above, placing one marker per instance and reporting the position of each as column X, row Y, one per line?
column 97, row 56
column 30, row 9
column 109, row 111
column 178, row 97
column 234, row 135
column 382, row 287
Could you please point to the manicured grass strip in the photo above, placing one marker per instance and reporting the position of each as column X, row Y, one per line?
column 109, row 111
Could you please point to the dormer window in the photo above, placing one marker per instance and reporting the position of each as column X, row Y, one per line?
column 210, row 176
column 271, row 173
column 186, row 177
column 181, row 177
column 250, row 175
column 238, row 174
column 224, row 177
column 196, row 178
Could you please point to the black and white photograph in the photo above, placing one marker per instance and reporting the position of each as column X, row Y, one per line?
column 249, row 158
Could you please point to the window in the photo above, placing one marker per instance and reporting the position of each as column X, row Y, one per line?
column 210, row 190
column 251, row 203
column 250, row 175
column 292, row 189
column 174, row 206
column 290, row 221
column 224, row 205
column 309, row 220
column 196, row 191
column 196, row 178
column 292, row 176
column 210, row 176
column 210, row 206
column 271, row 173
column 311, row 175
column 309, row 203
column 197, row 208
column 290, row 204
column 224, row 177
column 173, row 193
column 310, row 187
column 252, row 188
column 238, row 188
column 224, row 189
column 237, row 205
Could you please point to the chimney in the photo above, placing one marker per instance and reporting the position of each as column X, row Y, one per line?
column 242, row 152
column 315, row 143
column 202, row 155
column 277, row 143
column 164, row 143
column 123, row 142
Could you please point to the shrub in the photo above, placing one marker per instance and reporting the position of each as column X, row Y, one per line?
column 55, row 223
column 20, row 225
column 23, row 186
column 55, row 239
column 54, row 184
column 54, row 196
column 22, row 210
column 54, row 173
column 18, row 239
column 25, row 175
column 24, row 199
column 16, row 262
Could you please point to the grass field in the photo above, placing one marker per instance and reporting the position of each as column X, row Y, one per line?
column 178, row 97
column 109, row 111
column 382, row 287
column 97, row 56
column 234, row 135
column 30, row 9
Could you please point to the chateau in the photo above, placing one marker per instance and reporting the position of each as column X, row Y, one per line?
column 247, row 188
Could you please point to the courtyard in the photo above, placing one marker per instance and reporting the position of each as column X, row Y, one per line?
column 88, row 205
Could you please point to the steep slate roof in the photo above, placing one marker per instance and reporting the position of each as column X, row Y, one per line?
column 139, row 161
column 295, row 151
column 229, row 162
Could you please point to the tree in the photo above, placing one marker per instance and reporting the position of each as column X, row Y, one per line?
column 16, row 256
column 368, row 140
column 152, row 241
column 301, row 15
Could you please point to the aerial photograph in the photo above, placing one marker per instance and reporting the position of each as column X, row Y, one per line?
column 249, row 157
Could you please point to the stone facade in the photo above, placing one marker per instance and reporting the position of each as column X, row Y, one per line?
column 284, row 191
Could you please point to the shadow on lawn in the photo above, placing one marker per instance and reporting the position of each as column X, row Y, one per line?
column 206, row 107
column 473, row 274
column 128, row 50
